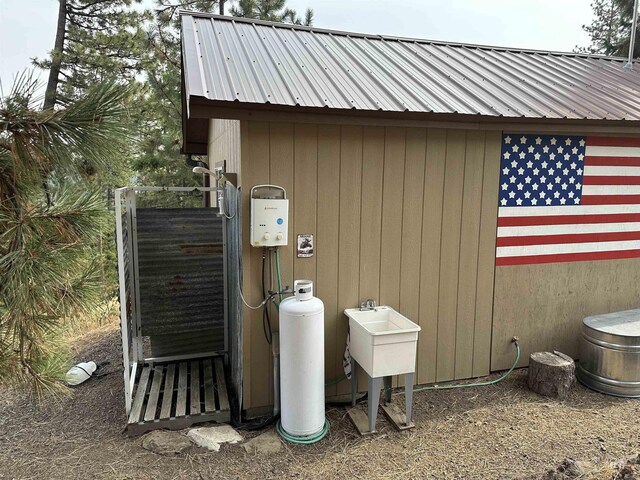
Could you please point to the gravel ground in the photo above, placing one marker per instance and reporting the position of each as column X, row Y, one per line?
column 496, row 432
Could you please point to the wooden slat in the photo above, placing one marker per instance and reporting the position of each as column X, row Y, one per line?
column 391, row 234
column 167, row 395
column 223, row 396
column 469, row 240
column 370, row 221
column 255, row 173
column 136, row 408
column 195, row 388
column 450, row 255
column 246, row 152
column 487, row 255
column 349, row 237
column 411, row 242
column 327, row 247
column 209, row 393
column 181, row 403
column 430, row 261
column 305, row 194
column 154, row 393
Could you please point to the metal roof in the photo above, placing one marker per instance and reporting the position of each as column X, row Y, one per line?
column 253, row 62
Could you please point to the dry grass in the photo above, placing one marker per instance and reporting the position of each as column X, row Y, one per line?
column 496, row 432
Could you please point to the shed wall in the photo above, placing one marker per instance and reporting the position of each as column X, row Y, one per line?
column 403, row 215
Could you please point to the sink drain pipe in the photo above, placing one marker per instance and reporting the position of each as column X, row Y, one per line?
column 514, row 340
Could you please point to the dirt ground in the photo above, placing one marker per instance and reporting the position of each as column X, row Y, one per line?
column 497, row 432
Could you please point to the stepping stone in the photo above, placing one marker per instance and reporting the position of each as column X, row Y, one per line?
column 212, row 437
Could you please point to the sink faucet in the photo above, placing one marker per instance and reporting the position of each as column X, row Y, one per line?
column 369, row 304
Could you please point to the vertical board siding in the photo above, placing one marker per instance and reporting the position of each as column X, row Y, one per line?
column 406, row 216
column 328, row 223
column 486, row 255
column 450, row 255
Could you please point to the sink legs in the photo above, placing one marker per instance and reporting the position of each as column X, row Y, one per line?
column 408, row 396
column 373, row 399
column 367, row 424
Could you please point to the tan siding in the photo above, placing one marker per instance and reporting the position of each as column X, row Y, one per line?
column 470, row 237
column 327, row 245
column 545, row 304
column 430, row 261
column 486, row 256
column 374, row 198
column 450, row 255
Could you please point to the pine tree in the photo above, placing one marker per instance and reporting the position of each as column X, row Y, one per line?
column 48, row 219
column 96, row 40
column 610, row 31
column 271, row 10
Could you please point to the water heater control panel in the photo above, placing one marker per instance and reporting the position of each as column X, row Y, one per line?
column 269, row 216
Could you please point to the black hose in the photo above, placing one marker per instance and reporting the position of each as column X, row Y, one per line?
column 266, row 321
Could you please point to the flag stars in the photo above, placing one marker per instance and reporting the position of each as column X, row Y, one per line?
column 549, row 186
column 556, row 194
column 542, row 194
column 544, row 164
column 582, row 142
column 521, row 171
column 558, row 179
column 530, row 149
column 573, row 165
column 572, row 180
column 571, row 194
column 576, row 201
column 529, row 164
column 527, row 194
column 537, row 156
column 548, row 201
column 560, row 149
column 567, row 157
column 545, row 149
column 579, row 171
column 522, row 155
column 504, row 186
column 564, row 186
column 567, row 141
column 553, row 141
column 523, row 139
column 538, row 141
column 543, row 179
column 534, row 186
column 514, row 164
column 506, row 155
column 515, row 148
column 559, row 164
column 503, row 202
column 512, row 194
column 527, row 179
column 552, row 156
column 551, row 171
column 536, row 171
column 520, row 186
column 574, row 150
column 581, row 157
column 505, row 171
column 563, row 201
column 507, row 139
column 512, row 179
column 534, row 201
column 578, row 186
column 518, row 201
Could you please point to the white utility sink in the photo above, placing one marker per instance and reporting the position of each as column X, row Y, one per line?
column 383, row 342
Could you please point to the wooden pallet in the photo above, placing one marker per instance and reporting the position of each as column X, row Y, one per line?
column 176, row 395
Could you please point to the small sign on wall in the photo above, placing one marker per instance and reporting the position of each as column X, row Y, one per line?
column 305, row 245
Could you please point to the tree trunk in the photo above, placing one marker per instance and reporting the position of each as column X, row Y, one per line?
column 551, row 374
column 221, row 5
column 56, row 57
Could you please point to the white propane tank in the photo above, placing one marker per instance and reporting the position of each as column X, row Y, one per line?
column 302, row 362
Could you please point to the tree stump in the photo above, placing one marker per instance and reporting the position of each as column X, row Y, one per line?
column 551, row 374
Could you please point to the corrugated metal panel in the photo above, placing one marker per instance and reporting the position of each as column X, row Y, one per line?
column 198, row 341
column 255, row 62
column 180, row 262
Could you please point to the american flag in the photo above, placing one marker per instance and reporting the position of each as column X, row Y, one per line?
column 566, row 198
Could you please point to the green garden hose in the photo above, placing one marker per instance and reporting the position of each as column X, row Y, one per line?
column 303, row 440
column 479, row 384
column 277, row 304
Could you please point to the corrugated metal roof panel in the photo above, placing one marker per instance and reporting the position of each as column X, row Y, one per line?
column 254, row 62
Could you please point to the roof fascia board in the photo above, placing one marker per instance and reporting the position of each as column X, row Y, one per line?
column 424, row 120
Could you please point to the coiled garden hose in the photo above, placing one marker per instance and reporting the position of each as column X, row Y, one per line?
column 515, row 341
column 303, row 440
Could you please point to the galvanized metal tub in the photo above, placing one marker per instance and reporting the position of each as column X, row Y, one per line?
column 610, row 353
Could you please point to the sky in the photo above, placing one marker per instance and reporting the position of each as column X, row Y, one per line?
column 27, row 27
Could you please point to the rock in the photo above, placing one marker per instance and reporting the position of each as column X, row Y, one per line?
column 267, row 443
column 569, row 469
column 163, row 442
column 212, row 437
column 551, row 374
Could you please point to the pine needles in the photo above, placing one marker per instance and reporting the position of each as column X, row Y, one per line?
column 49, row 220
